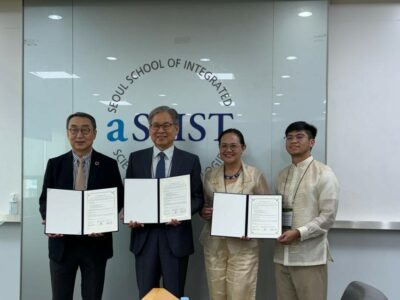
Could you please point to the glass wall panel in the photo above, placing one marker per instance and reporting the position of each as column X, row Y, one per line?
column 219, row 63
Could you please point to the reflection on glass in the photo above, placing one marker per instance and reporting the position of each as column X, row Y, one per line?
column 248, row 54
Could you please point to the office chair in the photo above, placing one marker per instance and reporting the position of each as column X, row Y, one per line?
column 357, row 290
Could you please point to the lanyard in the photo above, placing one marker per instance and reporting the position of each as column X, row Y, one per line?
column 298, row 185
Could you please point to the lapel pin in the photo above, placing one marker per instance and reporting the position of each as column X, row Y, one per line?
column 96, row 163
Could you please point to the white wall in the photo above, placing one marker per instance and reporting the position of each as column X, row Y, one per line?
column 362, row 131
column 10, row 261
column 363, row 109
column 11, row 141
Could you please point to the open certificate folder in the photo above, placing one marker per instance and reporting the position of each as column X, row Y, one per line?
column 81, row 212
column 153, row 201
column 253, row 216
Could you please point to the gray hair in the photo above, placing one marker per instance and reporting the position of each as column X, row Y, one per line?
column 172, row 112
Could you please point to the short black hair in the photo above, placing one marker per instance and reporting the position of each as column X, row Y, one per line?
column 234, row 131
column 82, row 115
column 310, row 129
column 172, row 112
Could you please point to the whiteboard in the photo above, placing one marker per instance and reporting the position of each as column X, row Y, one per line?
column 363, row 144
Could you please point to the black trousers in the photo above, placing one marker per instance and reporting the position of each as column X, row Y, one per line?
column 155, row 261
column 63, row 274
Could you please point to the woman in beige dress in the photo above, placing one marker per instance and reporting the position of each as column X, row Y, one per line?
column 231, row 263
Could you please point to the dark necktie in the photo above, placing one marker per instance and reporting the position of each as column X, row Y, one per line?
column 160, row 170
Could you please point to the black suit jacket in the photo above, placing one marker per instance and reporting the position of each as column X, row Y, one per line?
column 103, row 173
column 180, row 237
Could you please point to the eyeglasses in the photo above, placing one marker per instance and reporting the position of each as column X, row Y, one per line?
column 76, row 130
column 297, row 137
column 233, row 147
column 164, row 126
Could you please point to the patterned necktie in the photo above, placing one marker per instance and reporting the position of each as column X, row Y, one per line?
column 160, row 170
column 80, row 180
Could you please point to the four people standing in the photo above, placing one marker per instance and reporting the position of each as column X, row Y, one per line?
column 310, row 199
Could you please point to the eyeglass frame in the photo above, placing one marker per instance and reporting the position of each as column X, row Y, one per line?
column 165, row 126
column 232, row 146
column 85, row 130
column 296, row 138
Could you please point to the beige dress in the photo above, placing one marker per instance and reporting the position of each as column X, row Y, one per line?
column 231, row 263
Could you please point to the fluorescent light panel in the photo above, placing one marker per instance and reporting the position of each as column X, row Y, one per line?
column 54, row 75
column 221, row 76
column 305, row 14
column 55, row 17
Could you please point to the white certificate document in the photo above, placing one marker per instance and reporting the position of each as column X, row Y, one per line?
column 175, row 198
column 140, row 201
column 229, row 215
column 264, row 216
column 253, row 216
column 152, row 201
column 100, row 211
column 64, row 212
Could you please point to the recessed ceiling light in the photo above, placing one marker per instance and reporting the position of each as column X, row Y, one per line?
column 285, row 76
column 277, row 103
column 111, row 58
column 162, row 95
column 305, row 14
column 291, row 57
column 174, row 104
column 95, row 94
column 55, row 17
column 274, row 114
column 279, row 95
column 324, row 102
column 240, row 115
column 324, row 112
column 188, row 114
column 205, row 59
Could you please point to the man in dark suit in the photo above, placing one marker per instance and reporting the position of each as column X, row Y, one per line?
column 162, row 250
column 81, row 169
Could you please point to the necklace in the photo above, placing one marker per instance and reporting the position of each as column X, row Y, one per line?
column 234, row 176
column 235, row 183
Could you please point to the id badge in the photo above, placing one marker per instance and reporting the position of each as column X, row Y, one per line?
column 287, row 217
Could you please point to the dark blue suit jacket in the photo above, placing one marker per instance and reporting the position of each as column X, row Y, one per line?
column 180, row 237
column 104, row 173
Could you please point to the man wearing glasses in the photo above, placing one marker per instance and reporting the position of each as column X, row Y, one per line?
column 83, row 168
column 310, row 199
column 162, row 250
